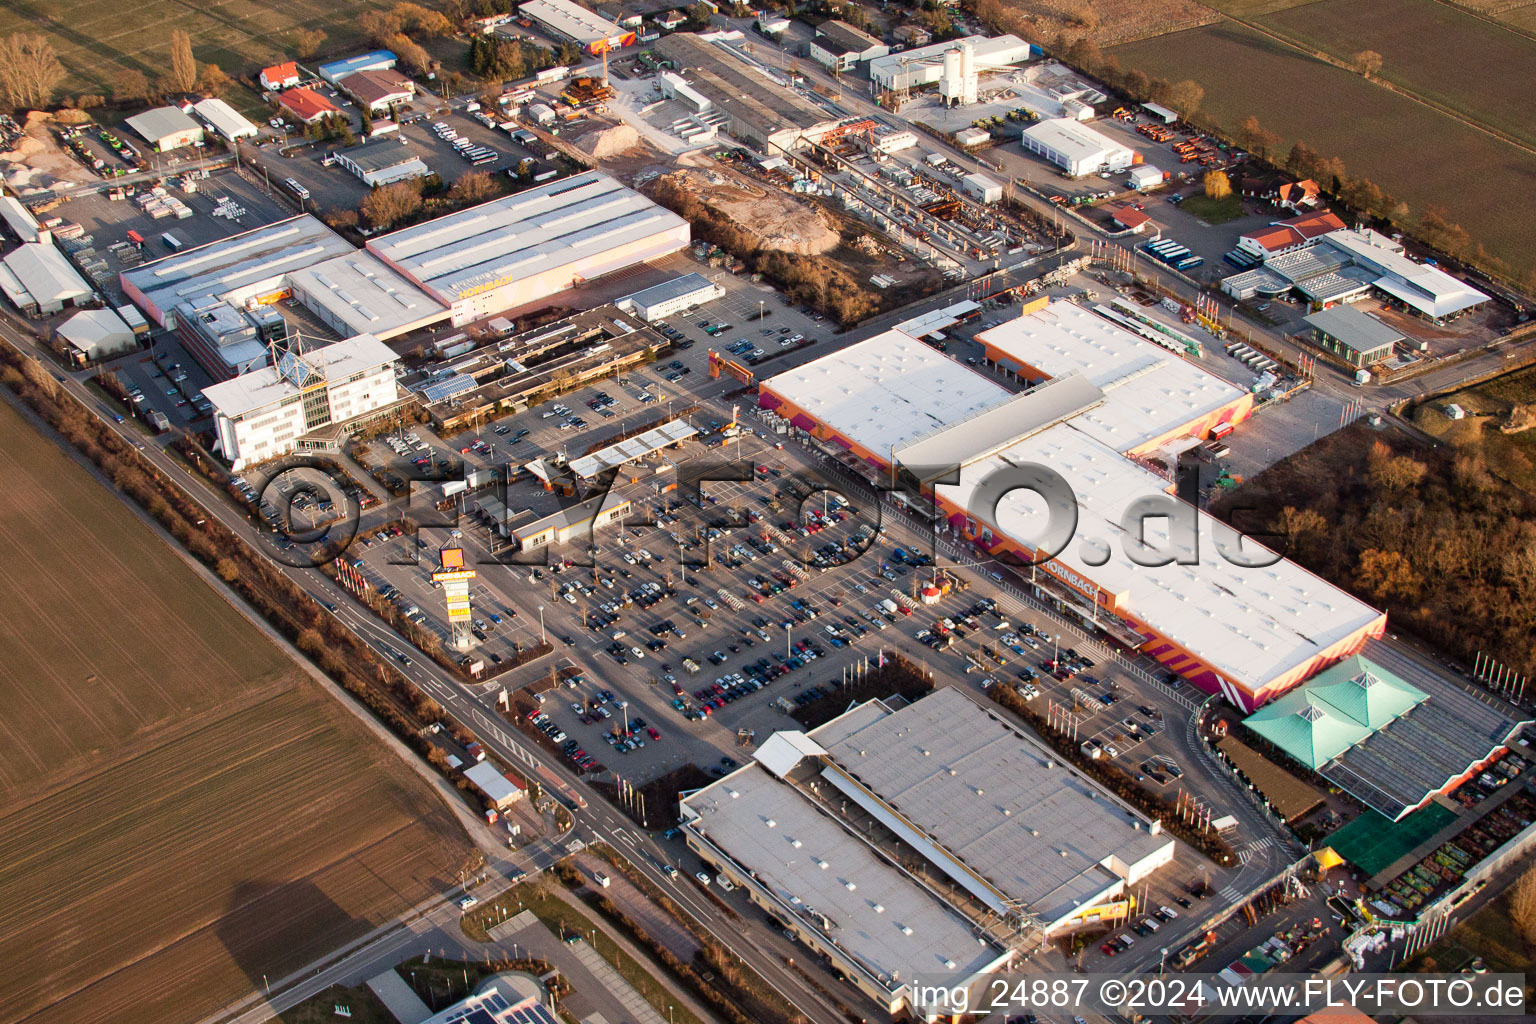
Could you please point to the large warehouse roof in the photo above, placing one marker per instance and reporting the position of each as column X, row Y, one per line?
column 1148, row 391
column 877, row 915
column 359, row 291
column 219, row 268
column 571, row 20
column 351, row 289
column 887, row 391
column 1429, row 290
column 997, row 802
column 162, row 122
column 45, row 274
column 1253, row 624
column 1072, row 139
column 225, row 119
column 524, row 234
column 262, row 387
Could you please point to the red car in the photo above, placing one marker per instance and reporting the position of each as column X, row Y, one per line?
column 654, row 734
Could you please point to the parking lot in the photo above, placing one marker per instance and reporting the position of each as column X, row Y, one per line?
column 335, row 188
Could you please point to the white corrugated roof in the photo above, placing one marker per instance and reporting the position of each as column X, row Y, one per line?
column 887, row 390
column 1148, row 390
column 525, row 234
column 46, row 274
column 1253, row 624
column 225, row 119
column 1073, row 139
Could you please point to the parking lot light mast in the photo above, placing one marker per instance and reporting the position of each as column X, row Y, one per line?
column 786, row 641
column 542, row 638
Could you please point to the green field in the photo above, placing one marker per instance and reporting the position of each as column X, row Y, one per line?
column 181, row 808
column 1412, row 152
column 1430, row 49
column 95, row 38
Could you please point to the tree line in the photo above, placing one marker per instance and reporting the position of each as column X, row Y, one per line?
column 1429, row 535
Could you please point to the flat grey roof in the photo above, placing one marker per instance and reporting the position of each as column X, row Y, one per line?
column 381, row 154
column 845, row 37
column 676, row 288
column 525, row 234
column 981, row 789
column 362, row 292
column 157, row 123
column 1350, row 327
column 258, row 256
column 770, row 828
column 994, row 429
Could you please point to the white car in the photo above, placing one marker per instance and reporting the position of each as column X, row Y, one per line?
column 467, row 902
column 725, row 883
column 702, row 876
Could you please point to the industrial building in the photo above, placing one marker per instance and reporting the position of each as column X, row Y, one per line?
column 1354, row 337
column 383, row 161
column 675, row 296
column 376, row 60
column 493, row 784
column 307, row 106
column 982, row 188
column 21, row 221
column 914, row 69
column 1346, row 264
column 376, row 90
column 218, row 297
column 839, row 47
column 303, row 400
column 477, row 385
column 1030, row 848
column 1077, row 149
column 523, row 248
column 1284, row 236
column 166, row 128
column 38, row 279
column 567, row 20
column 94, row 335
column 225, row 119
column 1388, row 729
column 1103, row 407
column 759, row 108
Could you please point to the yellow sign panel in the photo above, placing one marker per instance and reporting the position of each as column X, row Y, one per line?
column 453, row 575
column 451, row 558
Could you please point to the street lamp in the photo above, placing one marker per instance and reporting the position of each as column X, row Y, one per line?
column 542, row 638
column 786, row 640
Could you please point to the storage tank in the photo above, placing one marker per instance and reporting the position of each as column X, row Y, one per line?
column 951, row 82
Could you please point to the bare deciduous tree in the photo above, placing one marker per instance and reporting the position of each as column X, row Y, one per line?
column 1367, row 62
column 29, row 69
column 183, row 64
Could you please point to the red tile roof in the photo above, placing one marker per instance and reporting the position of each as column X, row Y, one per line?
column 1131, row 217
column 307, row 104
column 1296, row 230
column 278, row 73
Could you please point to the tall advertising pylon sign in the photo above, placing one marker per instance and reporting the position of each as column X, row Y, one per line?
column 454, row 576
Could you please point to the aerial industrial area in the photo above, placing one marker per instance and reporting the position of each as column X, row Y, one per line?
column 826, row 513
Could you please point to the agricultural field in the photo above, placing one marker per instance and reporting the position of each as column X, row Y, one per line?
column 182, row 810
column 1430, row 49
column 96, row 38
column 1416, row 154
